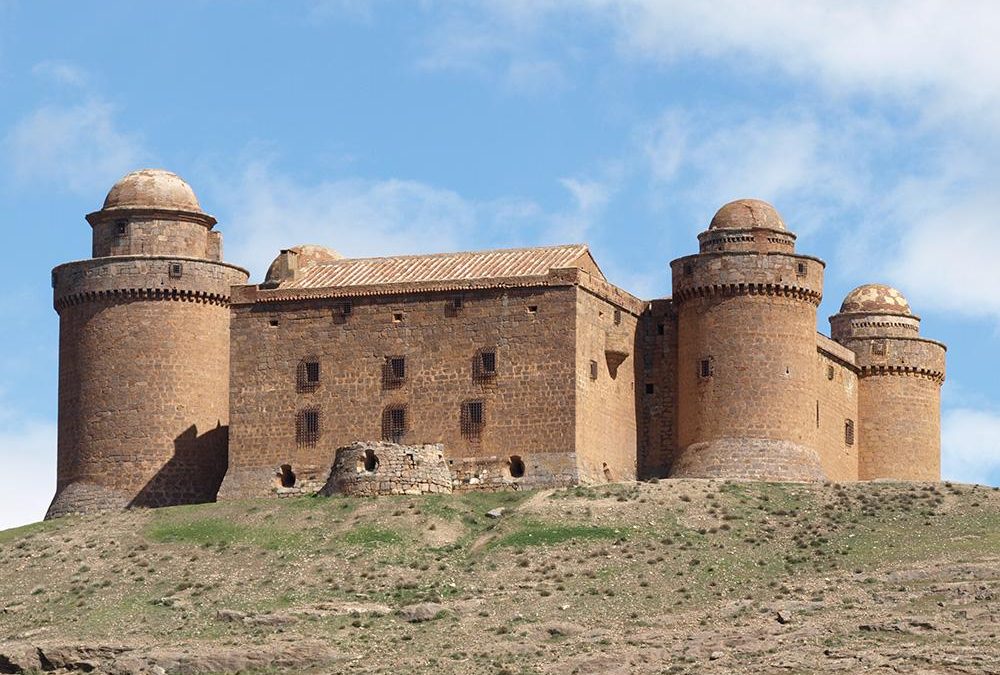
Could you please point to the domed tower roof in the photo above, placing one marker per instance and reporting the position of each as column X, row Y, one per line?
column 152, row 189
column 875, row 299
column 746, row 214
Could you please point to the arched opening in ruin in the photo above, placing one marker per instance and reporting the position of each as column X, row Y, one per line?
column 286, row 476
column 516, row 466
column 370, row 461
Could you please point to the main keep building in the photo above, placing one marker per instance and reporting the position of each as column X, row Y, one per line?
column 179, row 382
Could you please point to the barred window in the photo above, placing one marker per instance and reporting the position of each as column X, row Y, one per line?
column 849, row 432
column 618, row 317
column 453, row 306
column 394, row 372
column 484, row 365
column 878, row 347
column 706, row 367
column 394, row 423
column 802, row 269
column 176, row 270
column 121, row 228
column 830, row 372
column 472, row 419
column 593, row 370
column 307, row 427
column 307, row 374
column 341, row 311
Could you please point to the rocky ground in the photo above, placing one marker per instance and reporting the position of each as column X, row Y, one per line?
column 669, row 577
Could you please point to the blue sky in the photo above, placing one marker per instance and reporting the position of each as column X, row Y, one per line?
column 391, row 127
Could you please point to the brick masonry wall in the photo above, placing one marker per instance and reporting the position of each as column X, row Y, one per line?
column 656, row 368
column 837, row 402
column 605, row 397
column 528, row 406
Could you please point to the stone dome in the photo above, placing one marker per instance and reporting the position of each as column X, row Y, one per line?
column 152, row 189
column 297, row 257
column 875, row 299
column 745, row 214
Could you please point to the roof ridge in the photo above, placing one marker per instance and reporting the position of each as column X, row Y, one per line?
column 519, row 249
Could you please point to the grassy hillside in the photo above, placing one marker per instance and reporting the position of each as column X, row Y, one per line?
column 668, row 577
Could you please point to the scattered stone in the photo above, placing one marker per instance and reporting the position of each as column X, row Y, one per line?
column 715, row 656
column 231, row 615
column 783, row 616
column 495, row 513
column 269, row 620
column 425, row 611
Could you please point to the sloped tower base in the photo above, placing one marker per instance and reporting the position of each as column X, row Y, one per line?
column 748, row 459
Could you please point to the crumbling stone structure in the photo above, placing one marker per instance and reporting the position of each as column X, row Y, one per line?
column 525, row 366
column 372, row 469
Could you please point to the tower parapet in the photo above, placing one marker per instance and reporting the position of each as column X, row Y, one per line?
column 144, row 353
column 899, row 387
column 746, row 350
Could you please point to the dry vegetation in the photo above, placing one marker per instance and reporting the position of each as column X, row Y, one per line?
column 669, row 577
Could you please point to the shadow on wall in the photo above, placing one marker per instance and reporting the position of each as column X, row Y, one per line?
column 193, row 474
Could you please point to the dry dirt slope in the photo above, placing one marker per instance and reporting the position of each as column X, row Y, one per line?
column 668, row 577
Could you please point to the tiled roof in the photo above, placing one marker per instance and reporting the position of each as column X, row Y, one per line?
column 443, row 267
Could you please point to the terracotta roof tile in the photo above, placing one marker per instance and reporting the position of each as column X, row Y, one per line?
column 440, row 267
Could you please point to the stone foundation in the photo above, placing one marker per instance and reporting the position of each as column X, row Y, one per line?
column 748, row 459
column 371, row 469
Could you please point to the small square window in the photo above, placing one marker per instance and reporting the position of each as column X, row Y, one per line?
column 307, row 428
column 593, row 370
column 394, row 423
column 397, row 317
column 121, row 228
column 272, row 323
column 618, row 317
column 649, row 389
column 878, row 347
column 484, row 366
column 849, row 432
column 532, row 309
column 706, row 367
column 802, row 269
column 830, row 372
column 176, row 270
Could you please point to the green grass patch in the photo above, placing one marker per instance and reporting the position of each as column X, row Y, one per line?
column 15, row 533
column 541, row 534
column 218, row 532
column 367, row 535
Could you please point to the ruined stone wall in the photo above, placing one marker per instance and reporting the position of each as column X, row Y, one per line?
column 899, row 406
column 527, row 405
column 605, row 389
column 143, row 382
column 656, row 389
column 147, row 232
column 746, row 362
column 836, row 410
column 373, row 469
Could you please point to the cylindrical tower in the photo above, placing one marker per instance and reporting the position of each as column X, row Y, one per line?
column 899, row 385
column 746, row 322
column 144, row 353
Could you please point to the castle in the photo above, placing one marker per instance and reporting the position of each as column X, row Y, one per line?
column 179, row 382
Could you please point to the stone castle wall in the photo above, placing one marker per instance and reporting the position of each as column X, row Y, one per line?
column 746, row 360
column 836, row 385
column 527, row 404
column 656, row 389
column 151, row 232
column 143, row 380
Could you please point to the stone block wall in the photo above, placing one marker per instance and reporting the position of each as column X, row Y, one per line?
column 837, row 410
column 527, row 404
column 656, row 389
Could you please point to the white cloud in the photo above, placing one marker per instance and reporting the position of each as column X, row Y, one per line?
column 77, row 147
column 28, row 450
column 970, row 440
column 264, row 211
column 62, row 73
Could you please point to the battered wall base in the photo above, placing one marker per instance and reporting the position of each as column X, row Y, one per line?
column 762, row 459
column 83, row 497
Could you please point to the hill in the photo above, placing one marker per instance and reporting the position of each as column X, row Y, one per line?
column 669, row 577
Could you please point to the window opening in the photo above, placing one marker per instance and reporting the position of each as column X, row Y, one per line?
column 307, row 427
column 516, row 466
column 849, row 432
column 394, row 423
column 659, row 329
column 593, row 370
column 618, row 317
column 121, row 228
column 397, row 317
column 394, row 372
column 649, row 389
column 802, row 269
column 706, row 368
column 472, row 419
column 830, row 372
column 176, row 270
column 307, row 375
column 371, row 461
column 484, row 366
column 878, row 347
column 532, row 309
